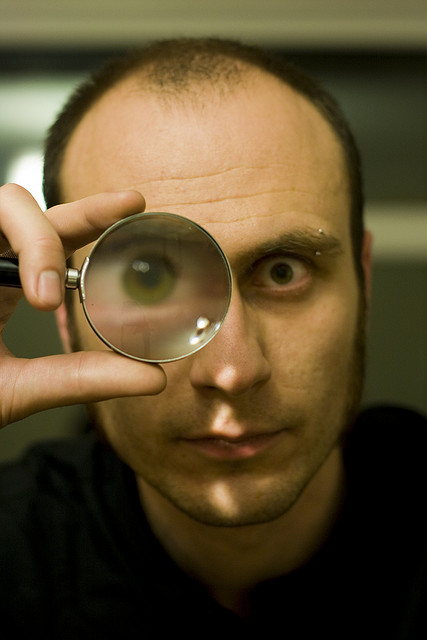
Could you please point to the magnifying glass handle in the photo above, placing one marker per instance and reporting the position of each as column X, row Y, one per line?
column 9, row 275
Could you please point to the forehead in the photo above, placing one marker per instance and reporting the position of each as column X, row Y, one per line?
column 257, row 157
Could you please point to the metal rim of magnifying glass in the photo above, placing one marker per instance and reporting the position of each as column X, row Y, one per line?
column 145, row 215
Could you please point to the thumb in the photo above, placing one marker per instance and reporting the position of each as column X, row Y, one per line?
column 29, row 386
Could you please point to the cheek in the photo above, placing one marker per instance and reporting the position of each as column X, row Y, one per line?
column 129, row 429
column 313, row 349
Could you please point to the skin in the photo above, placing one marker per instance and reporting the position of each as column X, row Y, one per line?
column 238, row 461
column 42, row 240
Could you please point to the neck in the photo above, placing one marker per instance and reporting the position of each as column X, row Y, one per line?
column 231, row 561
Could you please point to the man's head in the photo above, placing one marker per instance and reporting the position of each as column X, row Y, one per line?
column 249, row 423
column 174, row 69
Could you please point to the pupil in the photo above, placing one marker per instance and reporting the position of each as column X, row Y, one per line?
column 150, row 274
column 148, row 281
column 281, row 273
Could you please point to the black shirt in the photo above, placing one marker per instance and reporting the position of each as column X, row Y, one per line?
column 78, row 560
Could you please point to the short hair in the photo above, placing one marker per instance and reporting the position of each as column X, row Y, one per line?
column 177, row 65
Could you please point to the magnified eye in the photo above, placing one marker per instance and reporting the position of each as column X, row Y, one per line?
column 148, row 280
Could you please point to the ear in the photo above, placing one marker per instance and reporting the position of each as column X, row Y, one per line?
column 61, row 321
column 367, row 264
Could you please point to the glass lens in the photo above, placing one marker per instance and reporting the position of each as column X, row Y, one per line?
column 156, row 287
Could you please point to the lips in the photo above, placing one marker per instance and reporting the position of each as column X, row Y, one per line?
column 240, row 448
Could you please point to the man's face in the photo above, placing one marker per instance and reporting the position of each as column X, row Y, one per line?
column 249, row 421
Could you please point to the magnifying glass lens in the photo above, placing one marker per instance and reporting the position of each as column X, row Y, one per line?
column 156, row 287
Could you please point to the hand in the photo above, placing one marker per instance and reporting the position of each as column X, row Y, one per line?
column 43, row 241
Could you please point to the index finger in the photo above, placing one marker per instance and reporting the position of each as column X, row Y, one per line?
column 41, row 239
column 80, row 222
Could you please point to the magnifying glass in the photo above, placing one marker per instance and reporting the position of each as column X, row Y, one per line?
column 155, row 287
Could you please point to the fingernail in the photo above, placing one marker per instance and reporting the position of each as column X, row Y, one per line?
column 50, row 288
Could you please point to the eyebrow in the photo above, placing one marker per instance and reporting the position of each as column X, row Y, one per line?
column 306, row 241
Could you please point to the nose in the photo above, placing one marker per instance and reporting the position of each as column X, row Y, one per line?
column 234, row 362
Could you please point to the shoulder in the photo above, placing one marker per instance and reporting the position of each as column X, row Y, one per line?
column 387, row 513
column 389, row 430
column 45, row 463
column 52, row 475
column 34, row 497
column 391, row 414
column 385, row 455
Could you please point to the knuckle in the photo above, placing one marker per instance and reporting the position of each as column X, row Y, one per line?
column 47, row 242
column 10, row 188
column 12, row 191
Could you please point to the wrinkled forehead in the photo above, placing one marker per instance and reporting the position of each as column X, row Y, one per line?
column 248, row 166
column 135, row 137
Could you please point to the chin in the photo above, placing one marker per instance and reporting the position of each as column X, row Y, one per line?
column 229, row 503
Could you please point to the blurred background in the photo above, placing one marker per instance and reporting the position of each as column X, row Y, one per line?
column 372, row 54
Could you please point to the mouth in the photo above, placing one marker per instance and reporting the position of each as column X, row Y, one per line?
column 241, row 448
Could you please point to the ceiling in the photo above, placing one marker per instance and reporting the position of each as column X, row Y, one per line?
column 295, row 23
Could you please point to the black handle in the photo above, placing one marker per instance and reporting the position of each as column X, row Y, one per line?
column 9, row 273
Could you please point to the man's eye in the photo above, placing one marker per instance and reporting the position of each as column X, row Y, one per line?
column 280, row 272
column 148, row 280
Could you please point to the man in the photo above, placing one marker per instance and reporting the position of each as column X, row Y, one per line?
column 231, row 491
